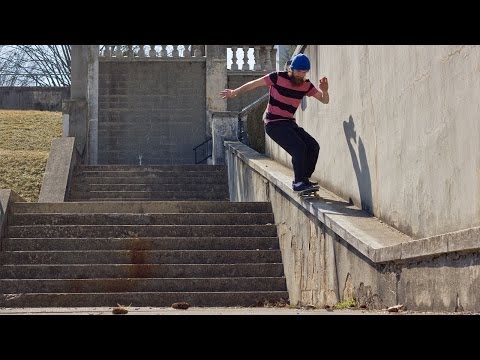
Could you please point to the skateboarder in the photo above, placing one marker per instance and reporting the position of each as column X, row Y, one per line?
column 287, row 88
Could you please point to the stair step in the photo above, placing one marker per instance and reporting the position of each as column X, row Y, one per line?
column 154, row 299
column 148, row 168
column 149, row 195
column 85, row 271
column 144, row 207
column 134, row 231
column 152, row 243
column 142, row 219
column 10, row 286
column 150, row 179
column 152, row 173
column 196, row 187
column 141, row 257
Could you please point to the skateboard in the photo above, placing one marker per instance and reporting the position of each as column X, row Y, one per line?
column 309, row 192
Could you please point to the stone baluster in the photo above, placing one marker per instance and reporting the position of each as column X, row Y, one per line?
column 234, row 58
column 106, row 51
column 245, row 66
column 141, row 51
column 197, row 52
column 273, row 58
column 130, row 51
column 268, row 59
column 118, row 51
column 258, row 64
column 163, row 52
column 152, row 53
column 186, row 51
column 175, row 51
column 112, row 50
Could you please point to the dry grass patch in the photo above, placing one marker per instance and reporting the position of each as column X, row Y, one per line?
column 25, row 140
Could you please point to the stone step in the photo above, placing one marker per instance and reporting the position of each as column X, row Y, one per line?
column 148, row 195
column 157, row 243
column 11, row 286
column 154, row 299
column 144, row 207
column 85, row 271
column 134, row 231
column 142, row 219
column 141, row 257
column 152, row 173
column 151, row 179
column 197, row 187
column 184, row 167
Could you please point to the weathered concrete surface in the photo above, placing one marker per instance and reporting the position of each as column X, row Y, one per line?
column 400, row 134
column 332, row 250
column 61, row 162
column 7, row 198
column 216, row 81
column 33, row 97
column 224, row 128
column 151, row 111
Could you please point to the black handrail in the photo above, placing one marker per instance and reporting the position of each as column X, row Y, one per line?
column 206, row 149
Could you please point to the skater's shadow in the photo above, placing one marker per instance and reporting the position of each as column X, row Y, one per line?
column 360, row 164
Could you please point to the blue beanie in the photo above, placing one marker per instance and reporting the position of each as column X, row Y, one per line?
column 300, row 62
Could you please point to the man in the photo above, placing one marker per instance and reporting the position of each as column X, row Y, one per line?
column 287, row 88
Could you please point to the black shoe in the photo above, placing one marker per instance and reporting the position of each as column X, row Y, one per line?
column 303, row 186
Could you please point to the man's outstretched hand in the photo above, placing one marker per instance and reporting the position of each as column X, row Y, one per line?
column 227, row 93
column 323, row 84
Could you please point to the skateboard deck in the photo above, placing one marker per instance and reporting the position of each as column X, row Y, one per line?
column 309, row 193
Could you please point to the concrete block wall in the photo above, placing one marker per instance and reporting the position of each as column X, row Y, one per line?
column 400, row 134
column 236, row 79
column 33, row 97
column 150, row 112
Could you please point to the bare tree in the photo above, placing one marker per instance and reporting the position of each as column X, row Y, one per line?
column 35, row 65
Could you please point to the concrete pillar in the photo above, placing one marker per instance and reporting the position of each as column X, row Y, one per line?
column 216, row 81
column 78, row 89
column 83, row 107
column 224, row 128
column 78, row 116
column 92, row 100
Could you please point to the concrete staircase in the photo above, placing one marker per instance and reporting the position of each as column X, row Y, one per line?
column 161, row 182
column 142, row 253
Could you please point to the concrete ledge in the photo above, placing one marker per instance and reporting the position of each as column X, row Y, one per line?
column 7, row 197
column 61, row 162
column 367, row 234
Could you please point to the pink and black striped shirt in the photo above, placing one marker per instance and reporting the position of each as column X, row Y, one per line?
column 285, row 96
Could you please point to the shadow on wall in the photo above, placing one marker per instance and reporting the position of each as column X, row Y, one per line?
column 360, row 165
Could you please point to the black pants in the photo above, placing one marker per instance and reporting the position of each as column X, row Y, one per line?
column 298, row 143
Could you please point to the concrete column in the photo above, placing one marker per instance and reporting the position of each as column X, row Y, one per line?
column 216, row 81
column 224, row 128
column 92, row 99
column 78, row 116
column 83, row 108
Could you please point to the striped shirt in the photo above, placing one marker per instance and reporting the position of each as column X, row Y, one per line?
column 285, row 96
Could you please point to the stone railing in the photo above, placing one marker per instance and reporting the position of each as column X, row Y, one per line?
column 151, row 51
column 239, row 57
column 251, row 57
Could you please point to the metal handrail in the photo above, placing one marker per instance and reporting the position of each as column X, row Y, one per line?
column 209, row 153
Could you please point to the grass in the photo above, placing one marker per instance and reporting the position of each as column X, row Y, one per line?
column 25, row 140
column 345, row 304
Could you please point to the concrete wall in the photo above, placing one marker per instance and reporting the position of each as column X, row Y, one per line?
column 400, row 135
column 150, row 112
column 332, row 251
column 236, row 79
column 33, row 97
